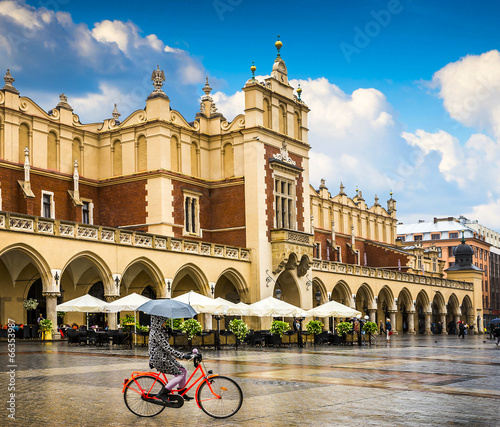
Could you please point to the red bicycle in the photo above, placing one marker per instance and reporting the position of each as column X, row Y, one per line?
column 216, row 395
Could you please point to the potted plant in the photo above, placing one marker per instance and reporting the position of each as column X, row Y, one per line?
column 128, row 320
column 370, row 328
column 239, row 328
column 30, row 304
column 46, row 326
column 278, row 328
column 343, row 328
column 314, row 327
column 191, row 327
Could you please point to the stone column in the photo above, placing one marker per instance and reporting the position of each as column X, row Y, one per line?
column 428, row 323
column 443, row 323
column 470, row 322
column 392, row 316
column 371, row 314
column 479, row 325
column 112, row 317
column 411, row 323
column 51, row 302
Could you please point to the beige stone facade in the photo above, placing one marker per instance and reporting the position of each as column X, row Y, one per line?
column 160, row 205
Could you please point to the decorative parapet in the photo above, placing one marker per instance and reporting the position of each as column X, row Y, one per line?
column 380, row 273
column 72, row 230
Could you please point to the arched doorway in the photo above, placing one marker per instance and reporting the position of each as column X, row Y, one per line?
column 145, row 319
column 35, row 292
column 97, row 319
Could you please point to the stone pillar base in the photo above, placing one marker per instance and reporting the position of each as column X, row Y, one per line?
column 412, row 333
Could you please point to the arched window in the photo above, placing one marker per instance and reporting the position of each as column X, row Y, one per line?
column 195, row 154
column 117, row 158
column 228, row 158
column 142, row 154
column 52, row 151
column 297, row 132
column 175, row 164
column 282, row 119
column 24, row 142
column 267, row 114
column 76, row 153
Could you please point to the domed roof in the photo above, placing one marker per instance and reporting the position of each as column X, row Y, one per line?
column 463, row 250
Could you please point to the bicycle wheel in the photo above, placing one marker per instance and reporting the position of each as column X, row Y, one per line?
column 219, row 397
column 143, row 385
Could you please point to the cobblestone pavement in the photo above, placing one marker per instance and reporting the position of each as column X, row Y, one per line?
column 413, row 381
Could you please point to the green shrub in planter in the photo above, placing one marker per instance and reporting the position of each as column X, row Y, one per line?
column 344, row 328
column 191, row 327
column 239, row 328
column 370, row 328
column 314, row 327
column 279, row 327
column 30, row 304
column 45, row 325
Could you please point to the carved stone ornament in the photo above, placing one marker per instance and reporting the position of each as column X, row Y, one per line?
column 63, row 102
column 8, row 79
column 158, row 77
column 116, row 114
column 283, row 155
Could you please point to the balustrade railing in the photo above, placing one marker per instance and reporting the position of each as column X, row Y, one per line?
column 72, row 230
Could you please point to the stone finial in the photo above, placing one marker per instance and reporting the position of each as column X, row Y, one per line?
column 376, row 200
column 116, row 115
column 323, row 185
column 342, row 188
column 158, row 77
column 26, row 165
column 8, row 79
column 207, row 89
column 76, row 177
column 63, row 102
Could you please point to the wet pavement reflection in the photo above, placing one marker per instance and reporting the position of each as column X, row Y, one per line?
column 413, row 381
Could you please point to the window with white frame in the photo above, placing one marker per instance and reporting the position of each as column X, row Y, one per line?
column 284, row 199
column 48, row 208
column 192, row 213
column 87, row 212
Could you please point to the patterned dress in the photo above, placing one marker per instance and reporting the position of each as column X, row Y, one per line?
column 161, row 355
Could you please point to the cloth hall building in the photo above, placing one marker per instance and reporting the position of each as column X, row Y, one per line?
column 159, row 205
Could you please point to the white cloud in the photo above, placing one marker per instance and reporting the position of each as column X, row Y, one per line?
column 470, row 89
column 230, row 105
column 452, row 156
column 112, row 32
column 191, row 73
column 23, row 16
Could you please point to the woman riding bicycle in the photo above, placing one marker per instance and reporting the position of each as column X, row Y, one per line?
column 162, row 357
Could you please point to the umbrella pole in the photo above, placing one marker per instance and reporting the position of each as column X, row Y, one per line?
column 135, row 328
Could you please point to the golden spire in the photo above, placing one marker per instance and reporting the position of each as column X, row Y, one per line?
column 278, row 45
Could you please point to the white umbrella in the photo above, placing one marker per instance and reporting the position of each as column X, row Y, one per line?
column 243, row 308
column 129, row 303
column 201, row 303
column 271, row 306
column 84, row 304
column 332, row 308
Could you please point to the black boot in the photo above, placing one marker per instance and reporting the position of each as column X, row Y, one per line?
column 185, row 396
column 163, row 394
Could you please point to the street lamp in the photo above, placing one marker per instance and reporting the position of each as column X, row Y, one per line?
column 212, row 288
column 169, row 288
column 218, row 317
column 277, row 292
column 318, row 297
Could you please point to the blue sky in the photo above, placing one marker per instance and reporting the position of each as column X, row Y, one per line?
column 405, row 95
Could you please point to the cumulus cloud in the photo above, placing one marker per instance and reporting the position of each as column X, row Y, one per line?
column 470, row 89
column 83, row 61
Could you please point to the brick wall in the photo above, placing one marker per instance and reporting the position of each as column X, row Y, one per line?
column 13, row 199
column 220, row 207
column 123, row 204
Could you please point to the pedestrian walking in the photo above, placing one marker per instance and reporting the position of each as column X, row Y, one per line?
column 388, row 329
column 461, row 329
column 382, row 331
